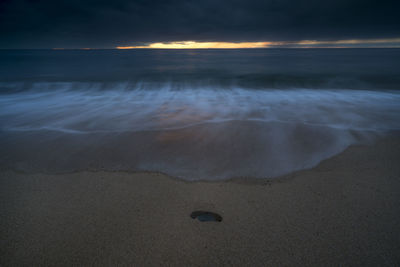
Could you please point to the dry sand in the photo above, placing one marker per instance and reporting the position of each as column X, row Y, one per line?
column 345, row 211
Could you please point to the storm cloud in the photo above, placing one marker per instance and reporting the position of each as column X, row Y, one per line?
column 107, row 24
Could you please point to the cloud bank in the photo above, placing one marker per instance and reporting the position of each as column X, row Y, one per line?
column 108, row 24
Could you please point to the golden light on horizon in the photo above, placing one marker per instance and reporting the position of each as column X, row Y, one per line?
column 201, row 45
column 232, row 45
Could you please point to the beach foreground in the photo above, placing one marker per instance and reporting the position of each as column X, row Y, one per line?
column 345, row 211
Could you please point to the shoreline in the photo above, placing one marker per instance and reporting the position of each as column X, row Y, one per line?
column 344, row 211
column 391, row 136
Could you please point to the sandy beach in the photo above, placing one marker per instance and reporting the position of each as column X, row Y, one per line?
column 344, row 212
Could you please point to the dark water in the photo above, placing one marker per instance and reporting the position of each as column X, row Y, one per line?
column 255, row 68
column 196, row 114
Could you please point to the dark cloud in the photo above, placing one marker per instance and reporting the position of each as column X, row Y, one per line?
column 73, row 23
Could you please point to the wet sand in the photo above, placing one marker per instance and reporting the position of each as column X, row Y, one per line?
column 345, row 211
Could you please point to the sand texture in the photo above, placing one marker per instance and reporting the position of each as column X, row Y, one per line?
column 344, row 212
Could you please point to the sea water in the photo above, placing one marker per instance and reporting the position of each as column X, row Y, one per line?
column 194, row 114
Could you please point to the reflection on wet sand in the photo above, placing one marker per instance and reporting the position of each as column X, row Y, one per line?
column 191, row 133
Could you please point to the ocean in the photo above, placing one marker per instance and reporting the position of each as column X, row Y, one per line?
column 193, row 114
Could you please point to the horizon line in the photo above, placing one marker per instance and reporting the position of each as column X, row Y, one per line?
column 114, row 48
column 347, row 43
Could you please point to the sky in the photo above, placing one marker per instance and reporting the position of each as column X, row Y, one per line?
column 42, row 24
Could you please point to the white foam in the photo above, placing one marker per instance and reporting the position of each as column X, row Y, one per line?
column 84, row 107
column 190, row 132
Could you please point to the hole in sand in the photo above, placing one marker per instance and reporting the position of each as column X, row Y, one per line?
column 206, row 216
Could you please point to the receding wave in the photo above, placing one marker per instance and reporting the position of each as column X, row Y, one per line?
column 190, row 131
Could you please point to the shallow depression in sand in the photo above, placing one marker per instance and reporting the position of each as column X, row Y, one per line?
column 206, row 216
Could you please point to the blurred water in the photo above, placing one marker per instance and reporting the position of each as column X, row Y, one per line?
column 210, row 114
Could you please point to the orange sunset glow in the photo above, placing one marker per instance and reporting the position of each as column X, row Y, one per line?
column 237, row 45
column 200, row 45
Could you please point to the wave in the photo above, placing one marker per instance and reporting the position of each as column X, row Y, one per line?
column 83, row 107
column 195, row 132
